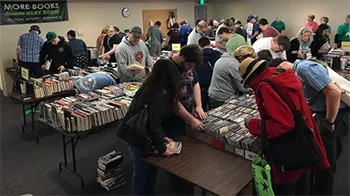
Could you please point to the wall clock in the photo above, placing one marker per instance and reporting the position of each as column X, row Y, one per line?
column 126, row 12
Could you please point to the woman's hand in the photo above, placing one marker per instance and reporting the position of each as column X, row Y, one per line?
column 197, row 125
column 168, row 139
column 301, row 54
column 200, row 113
column 167, row 152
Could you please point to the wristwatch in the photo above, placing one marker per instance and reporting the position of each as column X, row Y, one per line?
column 328, row 122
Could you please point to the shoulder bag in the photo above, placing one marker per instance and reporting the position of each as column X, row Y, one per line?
column 139, row 124
column 297, row 149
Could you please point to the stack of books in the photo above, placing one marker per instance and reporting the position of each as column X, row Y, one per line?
column 87, row 110
column 48, row 85
column 74, row 115
column 109, row 170
column 226, row 123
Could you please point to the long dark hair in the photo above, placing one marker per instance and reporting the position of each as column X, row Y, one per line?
column 320, row 30
column 164, row 75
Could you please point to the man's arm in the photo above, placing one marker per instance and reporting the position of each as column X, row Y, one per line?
column 122, row 61
column 198, row 101
column 317, row 77
column 85, row 49
column 18, row 49
column 236, row 81
column 218, row 41
column 219, row 45
column 256, row 33
column 161, row 37
column 43, row 53
column 112, row 52
column 70, row 60
column 186, row 116
column 18, row 52
column 333, row 94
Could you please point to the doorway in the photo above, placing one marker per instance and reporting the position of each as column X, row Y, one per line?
column 200, row 13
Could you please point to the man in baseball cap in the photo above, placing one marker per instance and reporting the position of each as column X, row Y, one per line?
column 56, row 51
column 132, row 51
column 136, row 31
column 52, row 38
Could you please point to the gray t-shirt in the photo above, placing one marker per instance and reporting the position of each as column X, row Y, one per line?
column 226, row 81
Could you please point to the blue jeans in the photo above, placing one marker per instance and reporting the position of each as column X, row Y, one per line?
column 144, row 174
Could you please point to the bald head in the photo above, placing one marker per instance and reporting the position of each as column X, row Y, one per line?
column 202, row 26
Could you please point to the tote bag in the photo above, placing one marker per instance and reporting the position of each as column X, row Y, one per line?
column 262, row 169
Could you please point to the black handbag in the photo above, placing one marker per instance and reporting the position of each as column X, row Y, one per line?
column 139, row 124
column 295, row 150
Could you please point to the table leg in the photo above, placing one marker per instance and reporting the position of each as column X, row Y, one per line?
column 73, row 155
column 73, row 142
column 24, row 118
column 33, row 124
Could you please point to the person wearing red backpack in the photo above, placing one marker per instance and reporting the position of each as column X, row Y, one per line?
column 280, row 119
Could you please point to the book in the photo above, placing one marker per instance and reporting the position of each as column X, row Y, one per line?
column 175, row 147
column 136, row 67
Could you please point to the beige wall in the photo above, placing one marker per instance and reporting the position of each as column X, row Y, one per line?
column 292, row 12
column 89, row 17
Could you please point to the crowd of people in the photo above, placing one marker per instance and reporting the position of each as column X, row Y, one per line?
column 204, row 74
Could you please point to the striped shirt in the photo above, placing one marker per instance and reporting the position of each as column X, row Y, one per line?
column 30, row 44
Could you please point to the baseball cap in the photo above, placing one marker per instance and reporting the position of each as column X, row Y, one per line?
column 35, row 28
column 136, row 31
column 250, row 17
column 50, row 36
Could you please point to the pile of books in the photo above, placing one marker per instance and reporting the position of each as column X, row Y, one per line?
column 109, row 170
column 74, row 115
column 88, row 110
column 226, row 123
column 48, row 85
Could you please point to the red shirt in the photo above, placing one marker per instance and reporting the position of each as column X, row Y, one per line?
column 312, row 25
column 279, row 118
column 270, row 32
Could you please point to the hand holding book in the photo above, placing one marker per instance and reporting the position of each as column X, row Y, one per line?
column 168, row 151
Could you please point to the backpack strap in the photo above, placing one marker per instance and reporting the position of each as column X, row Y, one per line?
column 274, row 87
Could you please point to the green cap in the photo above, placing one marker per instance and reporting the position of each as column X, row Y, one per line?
column 50, row 36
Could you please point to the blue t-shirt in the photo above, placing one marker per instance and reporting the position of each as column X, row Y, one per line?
column 93, row 82
column 315, row 78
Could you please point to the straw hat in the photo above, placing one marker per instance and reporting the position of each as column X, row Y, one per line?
column 243, row 52
column 248, row 67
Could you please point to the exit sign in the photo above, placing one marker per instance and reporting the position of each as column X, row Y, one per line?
column 201, row 2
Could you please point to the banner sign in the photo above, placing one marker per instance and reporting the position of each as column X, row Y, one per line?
column 21, row 12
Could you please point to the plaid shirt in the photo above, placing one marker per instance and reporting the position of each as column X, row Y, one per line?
column 30, row 44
